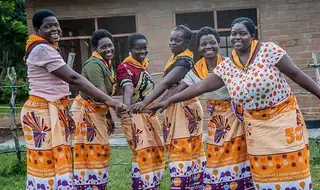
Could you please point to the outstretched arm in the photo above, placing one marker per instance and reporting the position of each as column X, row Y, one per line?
column 169, row 80
column 286, row 66
column 211, row 83
column 174, row 91
column 127, row 94
column 68, row 75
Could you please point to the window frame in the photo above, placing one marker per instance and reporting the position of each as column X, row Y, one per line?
column 215, row 18
column 193, row 11
column 96, row 25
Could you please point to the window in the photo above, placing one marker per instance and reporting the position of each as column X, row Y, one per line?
column 225, row 18
column 76, row 37
column 194, row 48
column 120, row 43
column 120, row 34
column 221, row 24
column 225, row 44
column 195, row 20
column 118, row 25
column 75, row 27
column 81, row 48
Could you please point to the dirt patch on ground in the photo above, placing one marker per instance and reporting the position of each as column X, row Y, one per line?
column 5, row 132
column 5, row 121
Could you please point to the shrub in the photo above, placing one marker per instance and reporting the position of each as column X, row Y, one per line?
column 5, row 93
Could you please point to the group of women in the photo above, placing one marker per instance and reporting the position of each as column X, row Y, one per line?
column 257, row 137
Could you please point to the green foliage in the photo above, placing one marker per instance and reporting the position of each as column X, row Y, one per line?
column 13, row 26
column 12, row 174
column 5, row 93
column 7, row 8
column 13, row 36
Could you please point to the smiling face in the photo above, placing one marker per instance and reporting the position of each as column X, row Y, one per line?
column 177, row 43
column 241, row 37
column 50, row 29
column 139, row 51
column 208, row 46
column 105, row 48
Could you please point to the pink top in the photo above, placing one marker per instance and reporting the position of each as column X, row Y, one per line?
column 42, row 60
column 263, row 85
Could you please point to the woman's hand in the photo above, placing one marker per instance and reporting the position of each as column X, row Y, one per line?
column 137, row 107
column 119, row 107
column 110, row 123
column 160, row 106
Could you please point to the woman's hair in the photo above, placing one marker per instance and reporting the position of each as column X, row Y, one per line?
column 187, row 33
column 247, row 22
column 37, row 18
column 206, row 30
column 135, row 37
column 98, row 35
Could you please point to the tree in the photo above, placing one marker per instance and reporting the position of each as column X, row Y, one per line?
column 13, row 36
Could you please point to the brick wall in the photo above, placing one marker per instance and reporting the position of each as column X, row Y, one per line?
column 293, row 24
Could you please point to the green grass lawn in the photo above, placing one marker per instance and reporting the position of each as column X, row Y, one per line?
column 12, row 175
